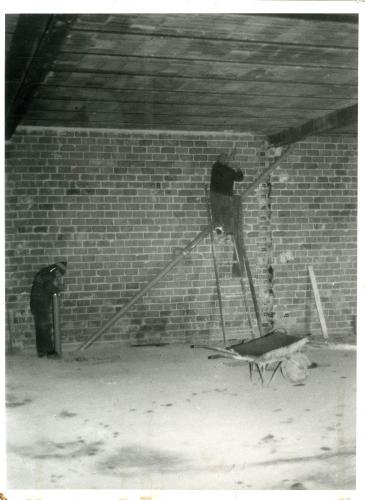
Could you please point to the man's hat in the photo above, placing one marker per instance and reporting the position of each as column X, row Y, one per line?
column 225, row 157
column 61, row 266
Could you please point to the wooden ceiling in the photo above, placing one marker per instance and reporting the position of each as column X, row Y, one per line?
column 286, row 76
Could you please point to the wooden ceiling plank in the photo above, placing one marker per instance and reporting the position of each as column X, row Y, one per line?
column 62, row 91
column 232, row 26
column 230, row 50
column 143, row 82
column 330, row 60
column 63, row 88
column 146, row 116
column 153, row 126
column 155, row 113
column 93, row 106
column 203, row 69
column 340, row 118
column 85, row 96
column 346, row 83
column 28, row 61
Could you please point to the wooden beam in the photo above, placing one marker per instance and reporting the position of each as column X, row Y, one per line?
column 215, row 265
column 173, row 263
column 36, row 41
column 336, row 119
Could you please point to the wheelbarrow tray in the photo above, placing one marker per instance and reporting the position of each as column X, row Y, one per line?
column 271, row 347
column 274, row 348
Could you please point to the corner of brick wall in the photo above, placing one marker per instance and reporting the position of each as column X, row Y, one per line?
column 314, row 222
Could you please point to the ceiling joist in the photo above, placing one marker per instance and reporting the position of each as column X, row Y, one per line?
column 340, row 118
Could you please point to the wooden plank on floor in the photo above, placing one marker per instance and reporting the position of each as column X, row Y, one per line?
column 318, row 302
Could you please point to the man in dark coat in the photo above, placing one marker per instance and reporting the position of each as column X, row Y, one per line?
column 45, row 283
column 222, row 180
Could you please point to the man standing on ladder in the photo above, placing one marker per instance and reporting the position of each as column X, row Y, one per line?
column 222, row 180
column 221, row 217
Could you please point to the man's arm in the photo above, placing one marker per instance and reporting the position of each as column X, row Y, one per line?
column 51, row 284
column 238, row 175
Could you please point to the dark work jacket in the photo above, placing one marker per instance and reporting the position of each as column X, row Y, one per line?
column 45, row 284
column 223, row 177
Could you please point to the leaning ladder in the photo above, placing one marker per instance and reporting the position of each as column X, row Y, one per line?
column 245, row 265
column 180, row 256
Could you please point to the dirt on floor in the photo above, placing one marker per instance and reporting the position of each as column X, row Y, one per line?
column 167, row 417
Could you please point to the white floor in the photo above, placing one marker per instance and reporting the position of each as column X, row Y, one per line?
column 170, row 418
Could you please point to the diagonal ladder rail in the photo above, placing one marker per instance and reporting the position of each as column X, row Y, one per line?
column 252, row 288
column 243, row 288
column 216, row 272
column 181, row 255
column 215, row 264
column 189, row 247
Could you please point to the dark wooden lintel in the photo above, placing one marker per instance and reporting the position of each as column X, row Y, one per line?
column 336, row 119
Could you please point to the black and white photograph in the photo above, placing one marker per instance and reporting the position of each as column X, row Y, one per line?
column 181, row 251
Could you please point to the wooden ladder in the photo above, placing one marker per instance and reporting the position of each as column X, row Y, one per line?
column 244, row 273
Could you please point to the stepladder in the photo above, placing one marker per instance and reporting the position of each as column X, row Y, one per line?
column 238, row 260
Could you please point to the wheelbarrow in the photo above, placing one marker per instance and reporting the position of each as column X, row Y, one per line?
column 270, row 353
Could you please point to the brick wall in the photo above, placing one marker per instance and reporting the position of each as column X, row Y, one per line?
column 313, row 221
column 118, row 206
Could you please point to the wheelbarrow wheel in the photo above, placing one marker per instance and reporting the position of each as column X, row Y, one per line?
column 295, row 368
